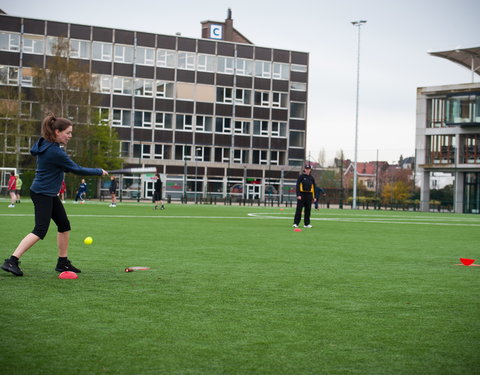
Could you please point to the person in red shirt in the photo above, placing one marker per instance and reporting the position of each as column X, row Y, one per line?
column 62, row 191
column 12, row 189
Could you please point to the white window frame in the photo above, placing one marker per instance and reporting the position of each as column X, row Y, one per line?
column 146, row 118
column 279, row 128
column 121, row 114
column 11, row 41
column 163, row 120
column 298, row 86
column 244, row 67
column 301, row 134
column 184, row 121
column 122, row 152
column 243, row 96
column 27, row 79
column 203, row 123
column 186, row 152
column 11, row 75
column 275, row 157
column 34, row 44
column 242, row 127
column 262, row 157
column 143, row 87
column 186, row 60
column 168, row 90
column 166, row 58
column 261, row 128
column 104, row 115
column 104, row 50
column 240, row 156
column 224, row 95
column 122, row 85
column 298, row 68
column 264, row 98
column 157, row 155
column 304, row 110
column 225, row 65
column 225, row 151
column 263, row 69
column 80, row 49
column 206, row 63
column 280, row 71
column 279, row 100
column 225, row 123
column 144, row 56
column 49, row 44
column 123, row 54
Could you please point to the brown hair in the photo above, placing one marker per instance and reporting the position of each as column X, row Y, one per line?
column 52, row 123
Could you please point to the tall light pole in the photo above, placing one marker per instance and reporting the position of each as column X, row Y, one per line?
column 355, row 172
column 197, row 149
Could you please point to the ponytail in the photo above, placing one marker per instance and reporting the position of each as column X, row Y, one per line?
column 52, row 123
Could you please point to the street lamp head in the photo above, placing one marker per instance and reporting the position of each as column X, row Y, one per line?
column 358, row 23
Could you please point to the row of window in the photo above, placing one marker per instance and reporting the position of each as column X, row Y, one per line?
column 23, row 145
column 101, row 51
column 202, row 154
column 199, row 123
column 458, row 109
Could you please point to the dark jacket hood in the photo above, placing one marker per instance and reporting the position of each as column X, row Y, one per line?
column 41, row 145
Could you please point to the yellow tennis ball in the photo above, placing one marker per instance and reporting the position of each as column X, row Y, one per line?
column 88, row 240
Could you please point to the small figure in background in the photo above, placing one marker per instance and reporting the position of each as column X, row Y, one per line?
column 113, row 190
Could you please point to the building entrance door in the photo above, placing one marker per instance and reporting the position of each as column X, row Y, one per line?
column 471, row 197
column 253, row 191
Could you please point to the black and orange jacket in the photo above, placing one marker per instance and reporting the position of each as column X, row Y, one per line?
column 306, row 184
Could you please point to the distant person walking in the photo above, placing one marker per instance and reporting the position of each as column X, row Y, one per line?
column 305, row 196
column 12, row 187
column 318, row 191
column 52, row 162
column 157, row 195
column 81, row 192
column 18, row 189
column 113, row 191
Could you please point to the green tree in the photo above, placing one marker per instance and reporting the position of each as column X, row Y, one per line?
column 66, row 88
column 16, row 129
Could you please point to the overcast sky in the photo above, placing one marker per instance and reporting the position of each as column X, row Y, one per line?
column 394, row 58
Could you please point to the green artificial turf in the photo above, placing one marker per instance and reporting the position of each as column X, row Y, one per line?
column 363, row 292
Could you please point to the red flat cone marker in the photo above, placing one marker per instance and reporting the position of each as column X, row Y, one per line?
column 466, row 261
column 297, row 230
column 68, row 275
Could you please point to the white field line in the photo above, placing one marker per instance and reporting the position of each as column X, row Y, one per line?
column 258, row 215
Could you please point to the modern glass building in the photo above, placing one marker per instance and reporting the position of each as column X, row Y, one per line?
column 448, row 134
column 217, row 116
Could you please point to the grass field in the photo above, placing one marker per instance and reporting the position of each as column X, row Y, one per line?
column 233, row 290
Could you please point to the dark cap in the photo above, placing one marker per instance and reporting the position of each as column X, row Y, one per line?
column 308, row 166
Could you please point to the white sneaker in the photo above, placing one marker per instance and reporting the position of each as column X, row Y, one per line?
column 307, row 226
column 295, row 225
column 11, row 206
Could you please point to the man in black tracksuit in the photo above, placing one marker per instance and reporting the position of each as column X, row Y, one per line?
column 305, row 197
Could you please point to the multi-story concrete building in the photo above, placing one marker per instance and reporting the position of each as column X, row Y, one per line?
column 448, row 134
column 216, row 115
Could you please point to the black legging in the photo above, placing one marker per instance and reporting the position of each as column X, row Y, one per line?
column 47, row 208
